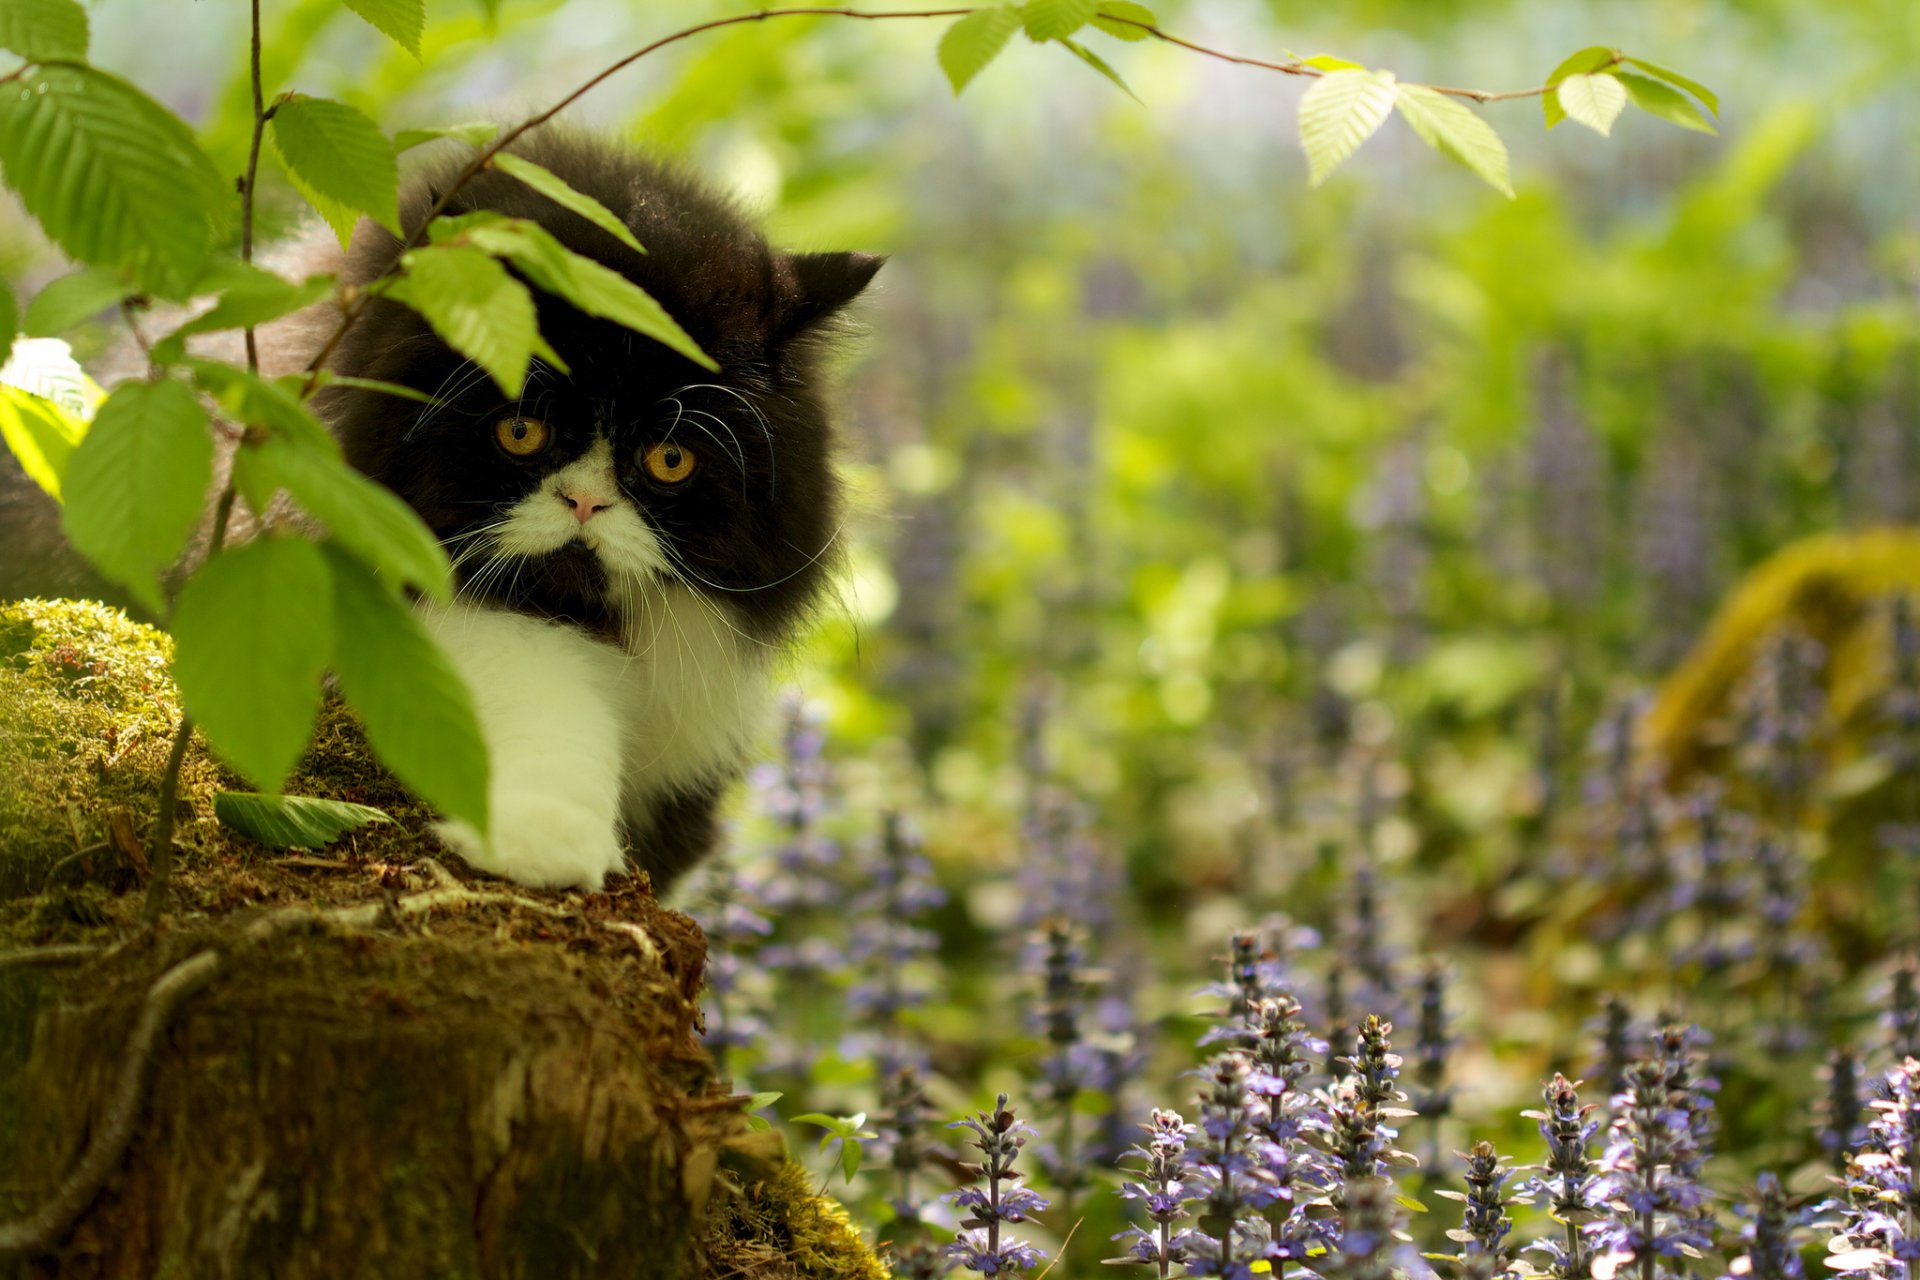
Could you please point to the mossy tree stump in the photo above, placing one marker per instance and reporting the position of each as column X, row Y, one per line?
column 377, row 1067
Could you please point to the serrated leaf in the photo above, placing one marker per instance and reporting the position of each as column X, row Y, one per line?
column 250, row 297
column 1592, row 58
column 291, row 822
column 404, row 21
column 113, row 177
column 1132, row 13
column 591, row 286
column 1099, row 64
column 1342, row 110
column 337, row 156
column 40, row 30
column 255, row 401
column 73, row 299
column 1594, row 100
column 472, row 303
column 1456, row 130
column 477, row 134
column 556, row 189
column 974, row 41
column 40, row 436
column 1056, row 19
column 252, row 633
column 1674, row 78
column 363, row 515
column 417, row 711
column 1657, row 99
column 136, row 485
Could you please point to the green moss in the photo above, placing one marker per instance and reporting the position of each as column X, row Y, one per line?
column 781, row 1228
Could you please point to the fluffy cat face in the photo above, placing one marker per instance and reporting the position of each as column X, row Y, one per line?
column 637, row 466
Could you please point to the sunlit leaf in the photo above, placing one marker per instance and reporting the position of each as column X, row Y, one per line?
column 113, row 177
column 1099, row 64
column 404, row 21
column 1679, row 81
column 253, row 630
column 339, row 160
column 40, row 435
column 72, row 299
column 589, row 285
column 554, row 188
column 1594, row 100
column 364, row 516
column 417, row 711
column 43, row 29
column 1131, row 14
column 477, row 134
column 291, row 822
column 262, row 402
column 974, row 41
column 136, row 485
column 471, row 302
column 1056, row 19
column 250, row 296
column 1454, row 129
column 1669, row 104
column 1342, row 110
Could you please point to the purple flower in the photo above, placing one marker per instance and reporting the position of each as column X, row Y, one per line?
column 998, row 1200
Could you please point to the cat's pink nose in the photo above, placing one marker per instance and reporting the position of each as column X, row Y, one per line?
column 585, row 506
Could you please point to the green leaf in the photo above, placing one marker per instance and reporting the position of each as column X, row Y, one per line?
column 471, row 302
column 364, row 516
column 328, row 378
column 252, row 633
column 1594, row 100
column 339, row 160
column 136, row 486
column 291, row 822
column 1342, row 110
column 113, row 177
column 1099, row 64
column 591, row 286
column 73, row 299
column 1111, row 9
column 1657, row 99
column 850, row 1151
column 40, row 30
column 45, row 367
column 1590, row 59
column 1056, row 19
column 417, row 711
column 9, row 321
column 1329, row 62
column 405, row 21
column 554, row 188
column 1674, row 78
column 250, row 297
column 976, row 40
column 40, row 435
column 261, row 402
column 1452, row 128
column 478, row 134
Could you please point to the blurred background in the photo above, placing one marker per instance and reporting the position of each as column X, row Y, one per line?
column 1224, row 547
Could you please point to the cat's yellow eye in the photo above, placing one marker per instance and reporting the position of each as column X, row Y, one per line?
column 669, row 463
column 522, row 437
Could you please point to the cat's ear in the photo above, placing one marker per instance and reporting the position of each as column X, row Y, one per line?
column 823, row 284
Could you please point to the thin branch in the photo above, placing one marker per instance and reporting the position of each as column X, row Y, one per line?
column 48, row 957
column 40, row 1230
column 260, row 114
column 354, row 302
column 160, row 841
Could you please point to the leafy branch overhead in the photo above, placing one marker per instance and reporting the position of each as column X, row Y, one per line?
column 125, row 188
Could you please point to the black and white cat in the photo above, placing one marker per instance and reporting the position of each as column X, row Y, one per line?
column 635, row 541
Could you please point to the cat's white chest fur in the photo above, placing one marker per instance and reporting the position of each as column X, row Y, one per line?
column 587, row 738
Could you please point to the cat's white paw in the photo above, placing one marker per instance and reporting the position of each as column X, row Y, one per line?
column 540, row 841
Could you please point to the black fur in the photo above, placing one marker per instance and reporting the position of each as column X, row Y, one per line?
column 755, row 527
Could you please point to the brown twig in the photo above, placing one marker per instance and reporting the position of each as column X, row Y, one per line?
column 48, row 957
column 260, row 117
column 47, row 1225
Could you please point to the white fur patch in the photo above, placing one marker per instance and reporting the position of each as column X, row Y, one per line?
column 588, row 737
